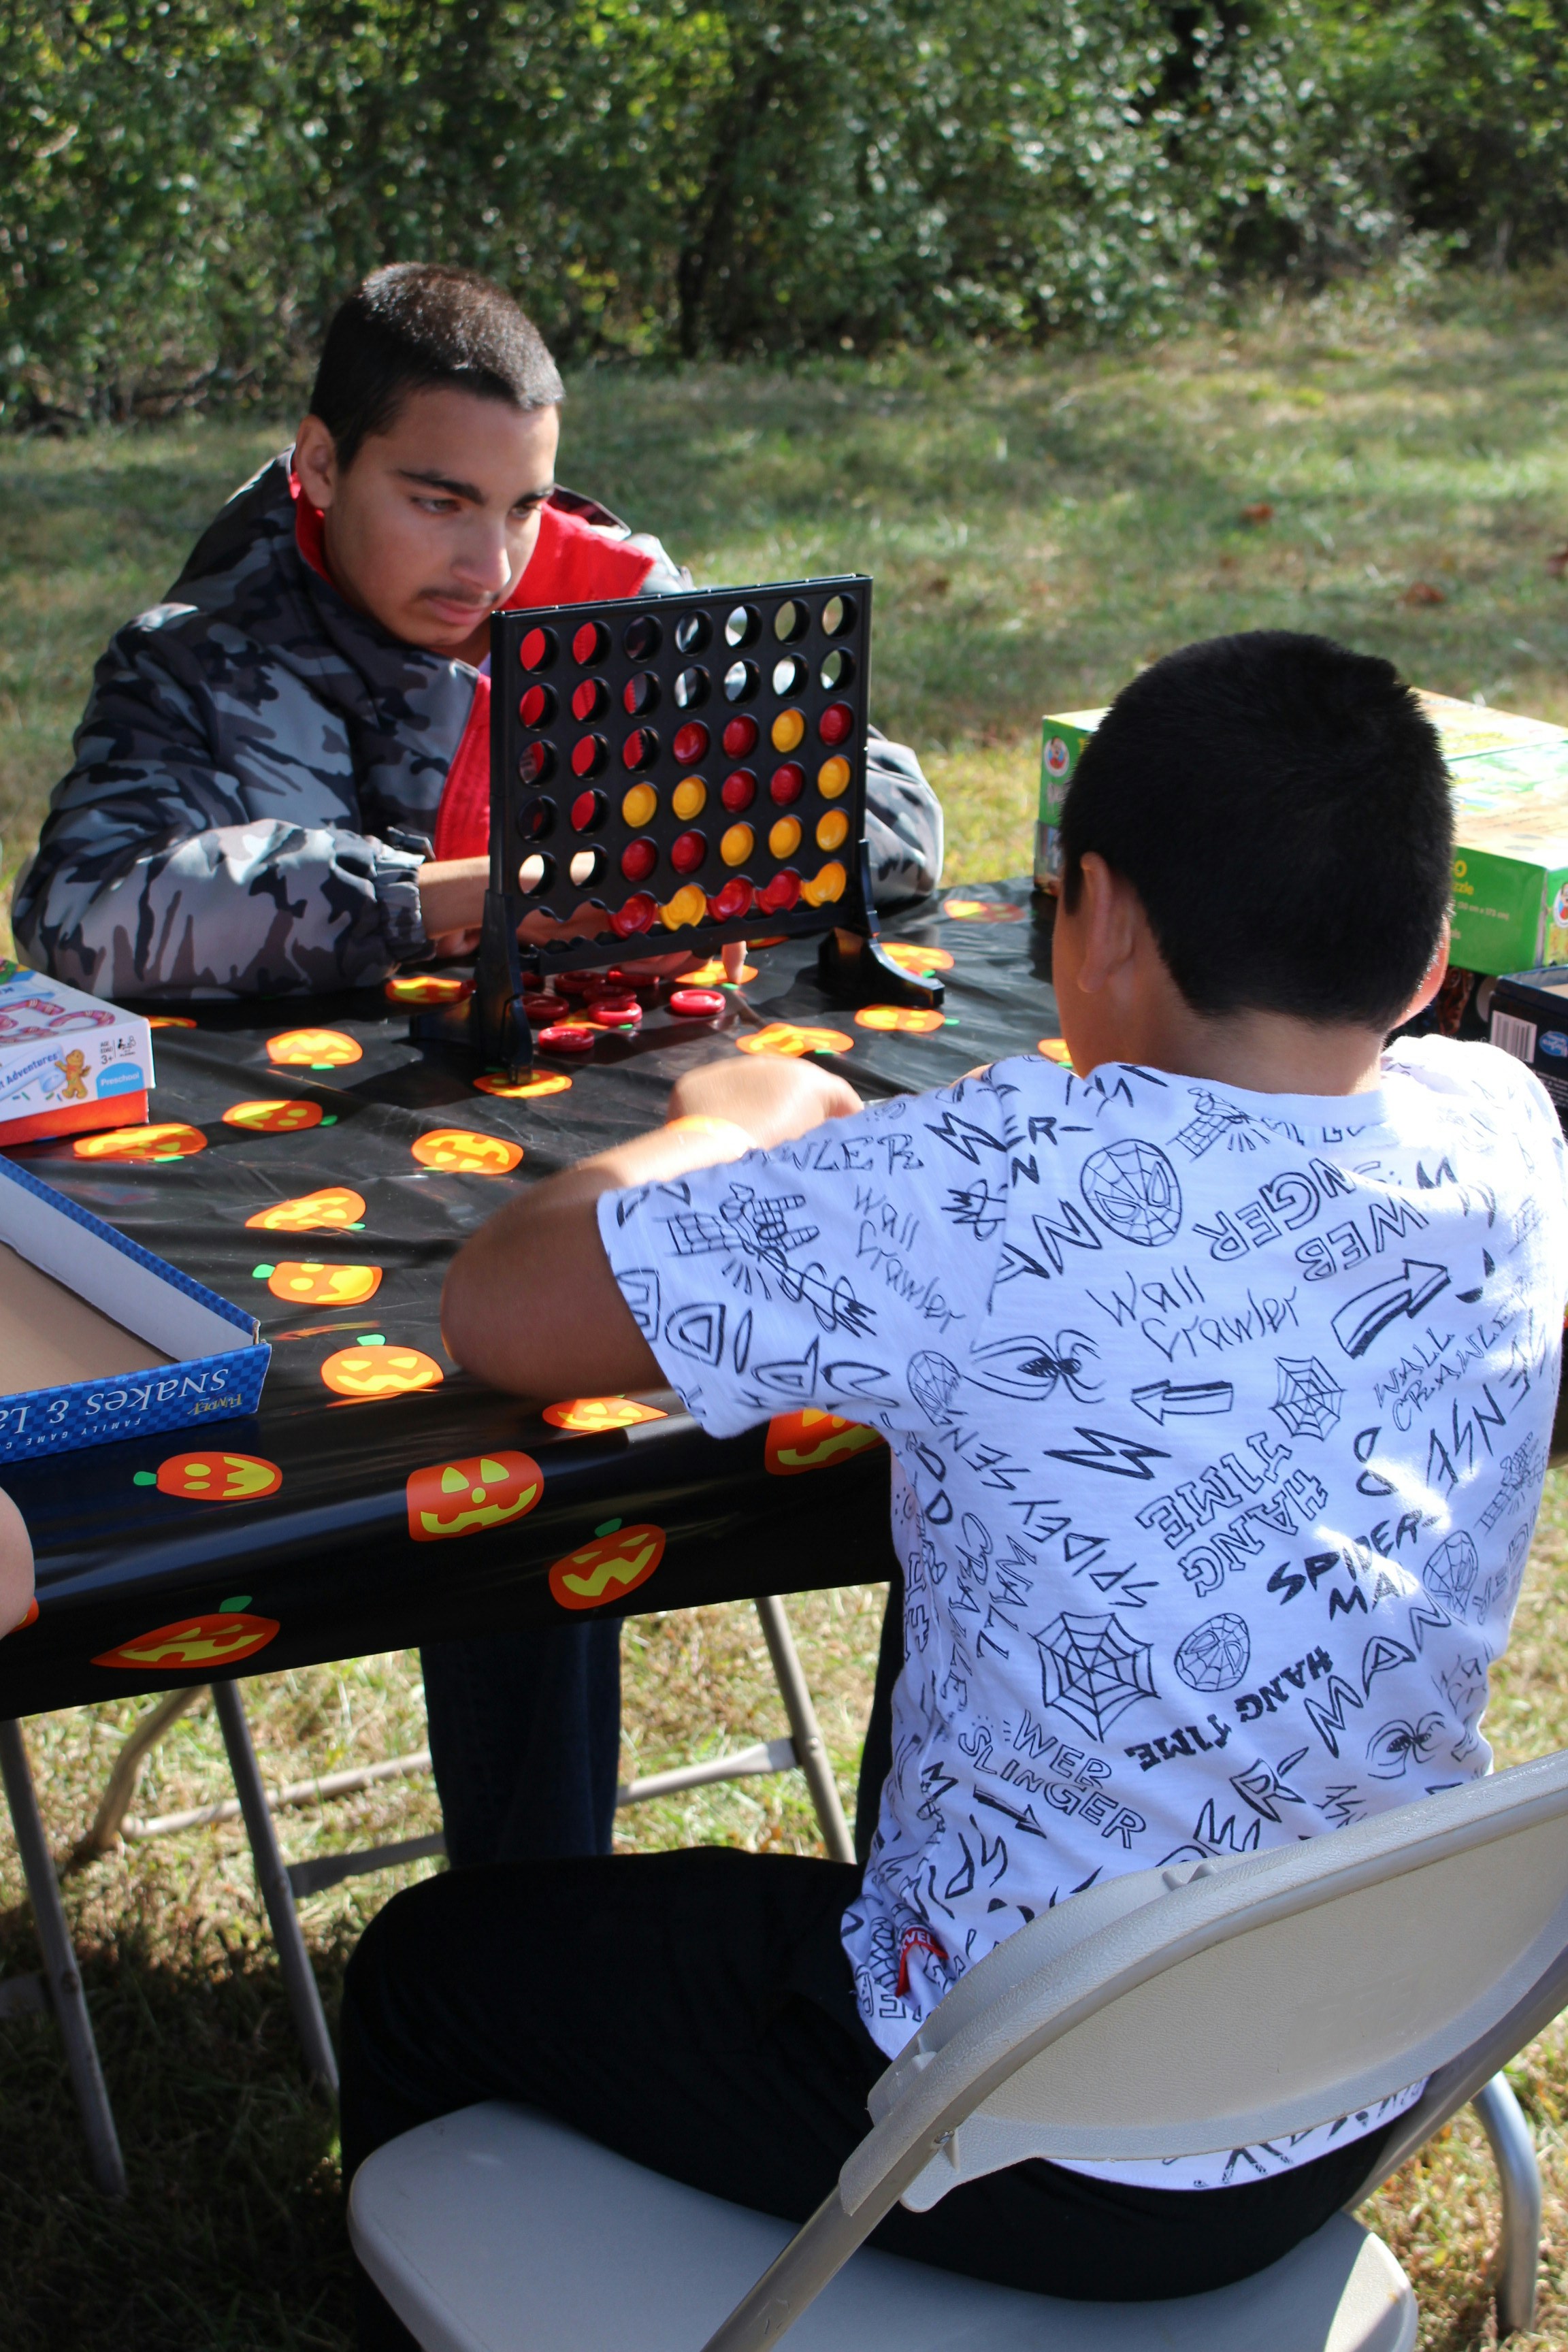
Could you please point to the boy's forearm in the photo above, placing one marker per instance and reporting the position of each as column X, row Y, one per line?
column 531, row 1303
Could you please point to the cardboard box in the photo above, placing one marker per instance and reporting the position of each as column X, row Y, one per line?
column 101, row 1340
column 1510, row 805
column 68, row 1063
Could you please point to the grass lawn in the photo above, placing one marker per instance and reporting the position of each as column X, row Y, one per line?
column 1037, row 529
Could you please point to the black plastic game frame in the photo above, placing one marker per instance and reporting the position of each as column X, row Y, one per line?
column 595, row 708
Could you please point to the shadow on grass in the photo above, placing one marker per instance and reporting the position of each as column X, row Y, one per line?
column 231, row 2239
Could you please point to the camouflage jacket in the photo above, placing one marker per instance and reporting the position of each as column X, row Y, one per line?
column 257, row 774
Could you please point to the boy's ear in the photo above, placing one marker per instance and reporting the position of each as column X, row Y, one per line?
column 1436, row 973
column 316, row 461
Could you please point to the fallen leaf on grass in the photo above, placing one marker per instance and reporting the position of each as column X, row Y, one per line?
column 1421, row 592
column 1260, row 511
column 1557, row 563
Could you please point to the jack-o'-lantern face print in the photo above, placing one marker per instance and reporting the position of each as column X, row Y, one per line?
column 587, row 1413
column 193, row 1643
column 790, row 1038
column 329, row 1210
column 426, row 988
column 982, row 910
column 307, row 1281
column 215, row 1478
column 314, row 1049
column 912, row 1020
column 537, row 1082
column 1055, row 1050
column 380, row 1372
column 810, row 1440
column 466, row 1151
column 910, row 958
column 172, row 1140
column 617, row 1560
column 277, row 1116
column 460, row 1498
column 712, row 974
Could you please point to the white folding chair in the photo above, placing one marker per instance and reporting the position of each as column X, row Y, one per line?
column 1204, row 2007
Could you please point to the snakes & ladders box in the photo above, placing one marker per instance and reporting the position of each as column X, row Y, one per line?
column 68, row 1063
column 100, row 1340
column 1510, row 801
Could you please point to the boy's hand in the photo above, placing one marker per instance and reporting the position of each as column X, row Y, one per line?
column 773, row 1098
column 15, row 1565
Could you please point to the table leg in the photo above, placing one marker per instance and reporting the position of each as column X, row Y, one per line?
column 59, row 1965
column 299, row 1978
column 811, row 1753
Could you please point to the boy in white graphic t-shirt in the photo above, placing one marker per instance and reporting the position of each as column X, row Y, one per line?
column 1213, row 1484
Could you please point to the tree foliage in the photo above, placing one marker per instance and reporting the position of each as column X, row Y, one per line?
column 192, row 183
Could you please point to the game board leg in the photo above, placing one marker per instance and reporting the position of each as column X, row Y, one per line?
column 856, row 970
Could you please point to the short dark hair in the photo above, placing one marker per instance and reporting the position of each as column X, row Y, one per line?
column 417, row 324
column 1282, row 807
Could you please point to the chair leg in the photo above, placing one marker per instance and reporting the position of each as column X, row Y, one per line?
column 59, row 1965
column 811, row 1754
column 1519, row 2251
column 299, row 1978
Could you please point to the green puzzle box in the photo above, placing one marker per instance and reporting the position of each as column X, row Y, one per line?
column 1511, row 797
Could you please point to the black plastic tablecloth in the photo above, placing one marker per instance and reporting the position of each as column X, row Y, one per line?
column 139, row 1563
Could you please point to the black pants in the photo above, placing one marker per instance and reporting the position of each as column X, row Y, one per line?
column 694, row 2010
column 525, row 1732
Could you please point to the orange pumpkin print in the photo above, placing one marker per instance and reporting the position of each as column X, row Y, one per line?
column 316, row 1049
column 426, row 988
column 173, row 1141
column 380, row 1372
column 460, row 1498
column 307, row 1281
column 810, row 1440
column 789, row 1037
column 982, row 910
column 193, row 1643
column 1055, row 1050
column 617, row 1560
column 465, row 1150
column 585, row 1413
column 712, row 974
column 910, row 958
column 911, row 1019
column 169, row 1021
column 328, row 1211
column 279, row 1115
column 538, row 1082
column 215, row 1478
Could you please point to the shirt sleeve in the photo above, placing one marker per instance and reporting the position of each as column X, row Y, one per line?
column 833, row 1272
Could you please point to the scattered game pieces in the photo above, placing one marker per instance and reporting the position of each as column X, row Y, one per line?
column 810, row 1440
column 1055, row 1050
column 426, row 988
column 584, row 1414
column 982, row 910
column 145, row 1145
column 168, row 1021
column 910, row 958
column 567, row 1037
column 899, row 1017
column 463, row 1498
column 614, row 1012
column 546, row 1008
column 618, row 1560
column 308, row 1282
column 696, row 1003
column 315, row 1049
column 465, row 1150
column 789, row 1037
column 280, row 1117
column 330, row 1210
column 215, row 1477
column 380, row 1372
column 536, row 1082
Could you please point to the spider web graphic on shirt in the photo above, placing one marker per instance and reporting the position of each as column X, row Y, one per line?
column 1310, row 1400
column 1092, row 1671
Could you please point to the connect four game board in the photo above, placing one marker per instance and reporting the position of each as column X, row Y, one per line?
column 675, row 773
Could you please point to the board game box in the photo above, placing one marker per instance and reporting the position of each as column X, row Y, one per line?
column 68, row 1063
column 1510, row 801
column 673, row 773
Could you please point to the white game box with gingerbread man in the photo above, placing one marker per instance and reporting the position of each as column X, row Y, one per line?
column 68, row 1063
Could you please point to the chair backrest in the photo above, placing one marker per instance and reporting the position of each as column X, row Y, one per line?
column 1179, row 2011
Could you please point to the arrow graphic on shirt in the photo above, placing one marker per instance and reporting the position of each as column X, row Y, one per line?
column 1161, row 1398
column 1361, row 1318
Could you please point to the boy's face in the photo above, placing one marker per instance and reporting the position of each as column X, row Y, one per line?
column 432, row 525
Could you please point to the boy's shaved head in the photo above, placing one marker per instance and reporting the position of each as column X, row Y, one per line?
column 414, row 327
column 1282, row 809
